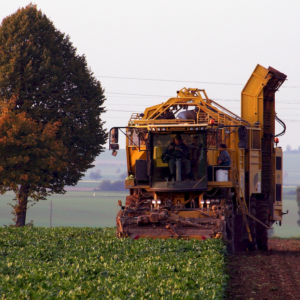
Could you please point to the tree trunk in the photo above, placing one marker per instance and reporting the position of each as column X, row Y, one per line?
column 21, row 207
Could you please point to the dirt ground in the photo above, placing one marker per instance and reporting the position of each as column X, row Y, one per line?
column 266, row 275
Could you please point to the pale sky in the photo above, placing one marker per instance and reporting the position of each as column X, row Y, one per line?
column 184, row 41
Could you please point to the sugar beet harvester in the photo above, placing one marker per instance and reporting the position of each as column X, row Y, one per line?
column 180, row 190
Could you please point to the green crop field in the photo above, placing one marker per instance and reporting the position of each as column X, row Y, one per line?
column 89, row 263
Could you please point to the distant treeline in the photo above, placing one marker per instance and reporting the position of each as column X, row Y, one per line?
column 111, row 186
column 289, row 193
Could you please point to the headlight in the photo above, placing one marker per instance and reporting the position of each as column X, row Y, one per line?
column 158, row 129
column 164, row 129
column 158, row 201
column 153, row 201
column 196, row 128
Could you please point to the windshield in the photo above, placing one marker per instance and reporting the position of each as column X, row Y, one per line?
column 179, row 161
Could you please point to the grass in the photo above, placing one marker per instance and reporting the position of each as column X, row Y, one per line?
column 82, row 209
column 90, row 263
column 77, row 209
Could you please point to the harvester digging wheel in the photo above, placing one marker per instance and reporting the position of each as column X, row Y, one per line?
column 261, row 231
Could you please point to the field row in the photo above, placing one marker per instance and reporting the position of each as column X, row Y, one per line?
column 86, row 263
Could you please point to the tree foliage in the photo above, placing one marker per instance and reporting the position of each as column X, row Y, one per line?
column 51, row 103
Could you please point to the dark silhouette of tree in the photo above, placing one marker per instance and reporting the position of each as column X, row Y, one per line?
column 109, row 186
column 45, row 83
column 96, row 175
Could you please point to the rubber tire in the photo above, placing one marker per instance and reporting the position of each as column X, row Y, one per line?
column 240, row 242
column 230, row 228
column 252, row 246
column 230, row 235
column 261, row 231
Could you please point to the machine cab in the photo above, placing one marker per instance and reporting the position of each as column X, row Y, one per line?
column 166, row 158
column 179, row 160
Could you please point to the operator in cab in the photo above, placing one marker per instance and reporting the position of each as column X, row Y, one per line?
column 178, row 150
column 224, row 157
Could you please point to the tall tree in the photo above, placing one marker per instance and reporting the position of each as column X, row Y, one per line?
column 44, row 83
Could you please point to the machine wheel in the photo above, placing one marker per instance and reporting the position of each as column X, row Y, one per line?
column 239, row 233
column 252, row 225
column 230, row 231
column 235, row 231
column 261, row 231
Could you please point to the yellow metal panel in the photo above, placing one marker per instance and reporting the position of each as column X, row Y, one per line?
column 134, row 154
column 157, row 158
column 255, row 160
column 252, row 95
column 255, row 182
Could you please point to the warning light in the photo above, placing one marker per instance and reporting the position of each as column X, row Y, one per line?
column 276, row 141
column 211, row 122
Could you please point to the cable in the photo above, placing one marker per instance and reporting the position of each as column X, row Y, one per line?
column 186, row 81
column 139, row 95
column 216, row 99
column 168, row 80
column 283, row 126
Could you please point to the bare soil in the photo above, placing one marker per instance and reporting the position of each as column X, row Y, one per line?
column 274, row 274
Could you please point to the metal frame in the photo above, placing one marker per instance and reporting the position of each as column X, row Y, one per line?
column 120, row 128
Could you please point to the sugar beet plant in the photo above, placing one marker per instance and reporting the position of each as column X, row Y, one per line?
column 88, row 263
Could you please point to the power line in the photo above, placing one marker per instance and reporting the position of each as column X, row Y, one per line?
column 164, row 96
column 215, row 99
column 167, row 80
column 185, row 81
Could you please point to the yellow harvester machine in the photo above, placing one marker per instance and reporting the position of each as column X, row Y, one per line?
column 237, row 203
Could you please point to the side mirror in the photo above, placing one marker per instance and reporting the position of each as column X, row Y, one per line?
column 114, row 139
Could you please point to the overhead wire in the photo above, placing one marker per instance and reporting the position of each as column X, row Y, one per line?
column 217, row 99
column 173, row 80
